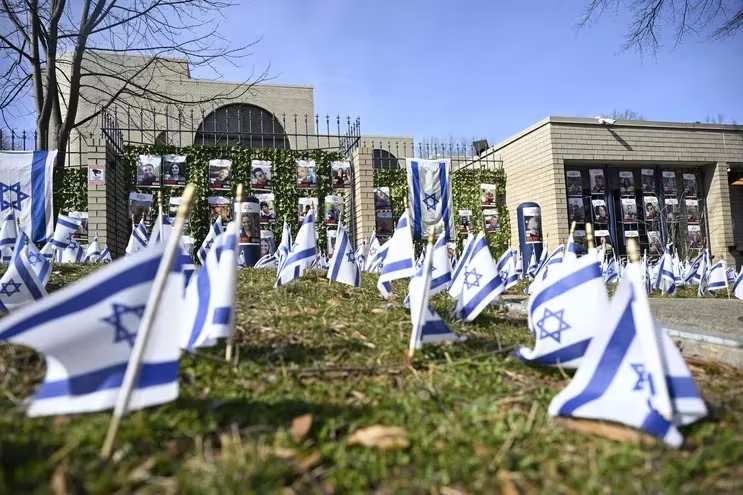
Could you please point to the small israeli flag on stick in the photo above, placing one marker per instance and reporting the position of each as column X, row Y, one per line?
column 430, row 197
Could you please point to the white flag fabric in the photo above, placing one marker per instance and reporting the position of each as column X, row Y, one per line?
column 33, row 258
column 138, row 239
column 430, row 197
column 214, row 231
column 559, row 318
column 26, row 188
column 93, row 252
column 616, row 381
column 8, row 232
column 343, row 267
column 100, row 315
column 19, row 284
column 303, row 253
column 481, row 281
column 63, row 232
column 398, row 262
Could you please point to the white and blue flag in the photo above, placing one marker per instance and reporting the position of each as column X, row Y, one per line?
column 101, row 315
column 430, row 197
column 717, row 278
column 214, row 231
column 40, row 265
column 632, row 372
column 738, row 285
column 93, row 252
column 440, row 271
column 399, row 260
column 343, row 266
column 19, row 284
column 303, row 253
column 376, row 254
column 26, row 189
column 482, row 283
column 63, row 232
column 105, row 256
column 138, row 240
column 267, row 261
column 8, row 231
column 559, row 318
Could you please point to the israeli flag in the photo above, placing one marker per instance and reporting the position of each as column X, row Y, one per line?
column 19, row 284
column 440, row 271
column 161, row 230
column 26, row 189
column 482, row 284
column 74, row 253
column 377, row 256
column 457, row 278
column 717, row 278
column 93, row 252
column 399, row 261
column 738, row 285
column 430, row 197
column 372, row 253
column 105, row 256
column 40, row 265
column 8, row 232
column 531, row 270
column 620, row 377
column 360, row 255
column 101, row 315
column 63, row 232
column 570, row 252
column 666, row 279
column 138, row 239
column 559, row 318
column 693, row 273
column 303, row 253
column 267, row 261
column 7, row 254
column 285, row 245
column 612, row 272
column 343, row 267
column 210, row 296
column 214, row 232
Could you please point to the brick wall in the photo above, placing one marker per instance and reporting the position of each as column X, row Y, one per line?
column 364, row 193
column 532, row 174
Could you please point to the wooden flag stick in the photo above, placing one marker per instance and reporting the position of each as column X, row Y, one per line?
column 725, row 271
column 238, row 223
column 170, row 254
column 589, row 236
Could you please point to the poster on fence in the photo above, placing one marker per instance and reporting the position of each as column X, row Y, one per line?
column 268, row 208
column 672, row 210
column 333, row 209
column 174, row 170
column 140, row 206
column 600, row 215
column 342, row 175
column 382, row 200
column 669, row 183
column 597, row 180
column 268, row 244
column 647, row 178
column 306, row 174
column 148, row 171
column 651, row 208
column 173, row 204
column 260, row 175
column 219, row 206
column 465, row 221
column 629, row 210
column 220, row 175
column 487, row 194
column 695, row 236
column 655, row 244
column 692, row 211
column 577, row 210
column 626, row 183
column 305, row 205
column 690, row 185
column 491, row 220
column 250, row 233
column 81, row 235
column 574, row 183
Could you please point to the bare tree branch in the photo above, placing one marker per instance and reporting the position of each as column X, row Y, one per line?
column 652, row 20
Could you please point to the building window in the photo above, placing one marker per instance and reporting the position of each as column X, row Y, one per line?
column 244, row 125
column 384, row 159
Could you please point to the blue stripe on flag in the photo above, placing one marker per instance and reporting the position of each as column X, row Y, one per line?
column 150, row 375
column 138, row 274
column 38, row 196
column 444, row 199
column 562, row 355
column 655, row 424
column 203, row 290
column 609, row 364
column 340, row 252
column 416, row 201
column 27, row 278
column 221, row 316
column 483, row 293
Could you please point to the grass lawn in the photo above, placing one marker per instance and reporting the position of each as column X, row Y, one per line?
column 473, row 417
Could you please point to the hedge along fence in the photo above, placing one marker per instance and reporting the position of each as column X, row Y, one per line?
column 466, row 196
column 74, row 193
column 283, row 182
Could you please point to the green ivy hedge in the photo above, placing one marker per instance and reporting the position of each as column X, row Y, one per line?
column 283, row 180
column 73, row 196
column 466, row 196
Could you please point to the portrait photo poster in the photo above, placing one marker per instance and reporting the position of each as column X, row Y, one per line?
column 574, row 183
column 341, row 175
column 220, row 175
column 629, row 210
column 465, row 221
column 490, row 220
column 600, row 213
column 148, row 171
column 385, row 223
column 652, row 210
column 532, row 224
column 220, row 207
column 174, row 170
column 267, row 204
column 140, row 206
column 305, row 205
column 260, row 175
column 382, row 199
column 306, row 174
column 669, row 183
column 81, row 234
column 672, row 210
column 333, row 209
column 268, row 244
column 487, row 194
column 647, row 175
column 626, row 183
column 250, row 232
column 596, row 176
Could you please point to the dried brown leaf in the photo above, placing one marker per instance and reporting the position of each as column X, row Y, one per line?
column 378, row 310
column 448, row 490
column 301, row 427
column 381, row 437
column 617, row 432
column 283, row 453
column 310, row 461
column 142, row 472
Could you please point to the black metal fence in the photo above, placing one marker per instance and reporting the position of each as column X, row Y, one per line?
column 11, row 140
column 391, row 153
column 232, row 125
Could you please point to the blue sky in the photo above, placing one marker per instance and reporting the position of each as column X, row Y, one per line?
column 478, row 68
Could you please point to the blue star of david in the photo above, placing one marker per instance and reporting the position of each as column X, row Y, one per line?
column 35, row 258
column 351, row 257
column 122, row 333
column 208, row 244
column 20, row 196
column 544, row 333
column 372, row 252
column 10, row 288
column 430, row 201
column 643, row 377
column 471, row 283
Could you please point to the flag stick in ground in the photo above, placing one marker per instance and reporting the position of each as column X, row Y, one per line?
column 427, row 262
column 589, row 236
column 171, row 252
column 654, row 356
column 238, row 222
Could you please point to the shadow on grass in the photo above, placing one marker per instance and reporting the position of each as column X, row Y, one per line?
column 297, row 352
